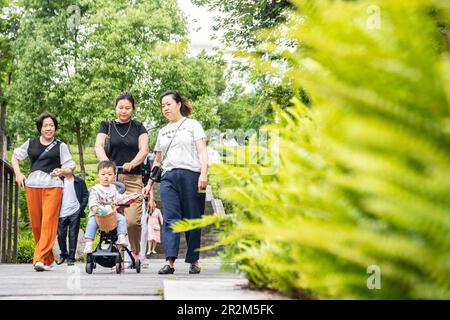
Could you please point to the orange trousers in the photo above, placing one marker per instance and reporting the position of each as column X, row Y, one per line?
column 43, row 206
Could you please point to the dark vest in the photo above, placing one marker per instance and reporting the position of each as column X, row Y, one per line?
column 49, row 162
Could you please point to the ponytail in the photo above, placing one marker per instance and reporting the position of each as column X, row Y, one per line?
column 186, row 107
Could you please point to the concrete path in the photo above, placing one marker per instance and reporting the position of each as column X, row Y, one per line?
column 20, row 281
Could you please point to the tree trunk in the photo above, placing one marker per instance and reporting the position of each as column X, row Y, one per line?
column 2, row 118
column 80, row 148
column 2, row 134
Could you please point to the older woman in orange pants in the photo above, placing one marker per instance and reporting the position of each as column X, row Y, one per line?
column 50, row 159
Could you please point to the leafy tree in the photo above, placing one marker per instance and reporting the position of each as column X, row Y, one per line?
column 74, row 59
column 248, row 26
column 241, row 19
column 8, row 32
column 199, row 78
column 235, row 112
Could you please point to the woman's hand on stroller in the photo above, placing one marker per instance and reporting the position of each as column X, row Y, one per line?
column 128, row 166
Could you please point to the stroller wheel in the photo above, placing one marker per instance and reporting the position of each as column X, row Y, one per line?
column 89, row 267
column 118, row 266
column 138, row 266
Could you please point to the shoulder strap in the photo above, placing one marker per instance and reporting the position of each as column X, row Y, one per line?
column 43, row 153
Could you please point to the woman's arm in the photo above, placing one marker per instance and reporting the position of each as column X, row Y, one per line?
column 149, row 187
column 99, row 148
column 18, row 155
column 20, row 178
column 58, row 172
column 157, row 160
column 140, row 156
column 203, row 156
column 67, row 163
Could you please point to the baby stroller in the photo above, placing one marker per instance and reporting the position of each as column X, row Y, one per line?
column 108, row 254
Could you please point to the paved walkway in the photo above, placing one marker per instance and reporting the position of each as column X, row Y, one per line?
column 20, row 281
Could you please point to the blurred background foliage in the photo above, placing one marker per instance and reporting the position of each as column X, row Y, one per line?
column 355, row 96
column 364, row 171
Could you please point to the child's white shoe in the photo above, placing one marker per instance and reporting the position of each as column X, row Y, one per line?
column 88, row 247
column 121, row 240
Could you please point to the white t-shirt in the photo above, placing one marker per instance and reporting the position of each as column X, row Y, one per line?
column 183, row 152
column 70, row 204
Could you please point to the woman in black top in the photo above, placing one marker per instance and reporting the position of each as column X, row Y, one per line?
column 128, row 148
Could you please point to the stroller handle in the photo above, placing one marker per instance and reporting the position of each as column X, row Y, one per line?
column 118, row 168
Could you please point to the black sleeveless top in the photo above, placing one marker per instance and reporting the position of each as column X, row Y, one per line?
column 49, row 162
column 124, row 141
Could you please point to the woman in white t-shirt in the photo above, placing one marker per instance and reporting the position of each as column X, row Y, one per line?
column 181, row 152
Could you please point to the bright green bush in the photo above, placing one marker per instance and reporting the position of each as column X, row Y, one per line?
column 91, row 179
column 364, row 175
column 25, row 248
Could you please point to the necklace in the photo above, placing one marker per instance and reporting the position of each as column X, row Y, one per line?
column 123, row 136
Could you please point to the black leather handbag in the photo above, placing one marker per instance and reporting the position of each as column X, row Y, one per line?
column 156, row 173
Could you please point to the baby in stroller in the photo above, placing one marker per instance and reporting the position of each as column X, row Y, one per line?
column 105, row 203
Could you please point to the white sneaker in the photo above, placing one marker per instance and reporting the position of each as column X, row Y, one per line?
column 121, row 241
column 88, row 247
column 39, row 266
column 50, row 267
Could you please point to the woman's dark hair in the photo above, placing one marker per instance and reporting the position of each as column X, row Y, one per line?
column 186, row 108
column 106, row 164
column 42, row 117
column 125, row 96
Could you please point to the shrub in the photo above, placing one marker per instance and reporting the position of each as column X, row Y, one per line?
column 25, row 248
column 91, row 179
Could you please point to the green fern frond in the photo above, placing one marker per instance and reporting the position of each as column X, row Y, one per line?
column 204, row 221
column 364, row 172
